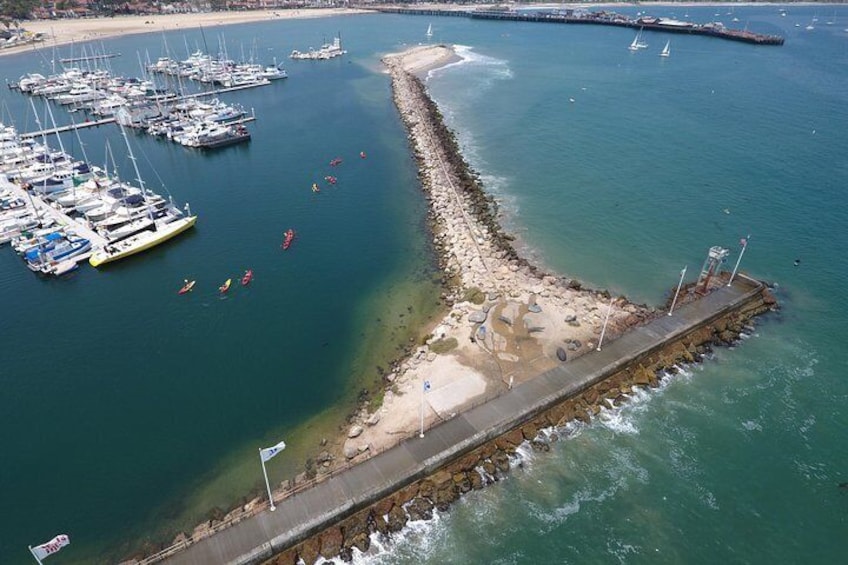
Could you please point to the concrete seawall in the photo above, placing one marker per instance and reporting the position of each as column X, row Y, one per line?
column 473, row 448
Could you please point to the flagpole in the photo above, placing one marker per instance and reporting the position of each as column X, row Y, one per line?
column 739, row 260
column 267, row 484
column 35, row 556
column 679, row 285
column 421, row 435
column 604, row 329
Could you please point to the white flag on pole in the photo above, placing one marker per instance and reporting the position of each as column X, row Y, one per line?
column 49, row 548
column 269, row 452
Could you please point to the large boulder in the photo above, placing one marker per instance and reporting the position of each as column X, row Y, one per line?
column 309, row 550
column 420, row 509
column 331, row 543
column 446, row 496
column 462, row 481
column 397, row 519
column 350, row 450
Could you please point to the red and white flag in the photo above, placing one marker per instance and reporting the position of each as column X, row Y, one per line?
column 49, row 548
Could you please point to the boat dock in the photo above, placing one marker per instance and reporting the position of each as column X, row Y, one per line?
column 95, row 123
column 89, row 58
column 44, row 210
column 358, row 493
column 63, row 129
column 62, row 220
column 571, row 16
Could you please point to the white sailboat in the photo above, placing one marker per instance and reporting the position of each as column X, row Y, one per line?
column 666, row 52
column 430, row 30
column 637, row 42
column 641, row 43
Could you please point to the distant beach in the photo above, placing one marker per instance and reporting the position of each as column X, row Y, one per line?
column 65, row 31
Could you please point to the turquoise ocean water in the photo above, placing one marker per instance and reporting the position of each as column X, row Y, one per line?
column 125, row 407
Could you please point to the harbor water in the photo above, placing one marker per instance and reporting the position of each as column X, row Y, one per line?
column 130, row 413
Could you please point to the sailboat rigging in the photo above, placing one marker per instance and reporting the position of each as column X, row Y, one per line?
column 165, row 224
column 638, row 43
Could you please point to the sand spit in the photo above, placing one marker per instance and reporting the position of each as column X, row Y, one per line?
column 508, row 321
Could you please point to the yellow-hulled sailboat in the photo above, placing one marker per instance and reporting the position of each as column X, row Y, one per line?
column 168, row 224
column 140, row 241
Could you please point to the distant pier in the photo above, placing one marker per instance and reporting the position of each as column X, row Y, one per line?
column 570, row 16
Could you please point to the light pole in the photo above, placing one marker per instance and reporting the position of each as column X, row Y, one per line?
column 604, row 329
column 744, row 243
column 680, row 284
column 424, row 388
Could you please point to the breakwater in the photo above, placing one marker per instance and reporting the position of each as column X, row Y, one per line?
column 606, row 18
column 473, row 449
column 341, row 511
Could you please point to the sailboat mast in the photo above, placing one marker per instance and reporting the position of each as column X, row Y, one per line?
column 137, row 173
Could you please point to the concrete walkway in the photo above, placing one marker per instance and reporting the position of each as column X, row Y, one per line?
column 310, row 511
column 44, row 210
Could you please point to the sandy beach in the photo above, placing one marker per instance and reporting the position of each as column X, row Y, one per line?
column 63, row 32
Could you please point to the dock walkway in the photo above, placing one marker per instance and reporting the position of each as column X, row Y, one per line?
column 306, row 513
column 45, row 210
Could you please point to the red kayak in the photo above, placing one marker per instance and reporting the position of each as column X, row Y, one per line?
column 336, row 161
column 288, row 237
column 187, row 287
column 248, row 276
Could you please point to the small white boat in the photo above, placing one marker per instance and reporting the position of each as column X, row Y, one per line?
column 430, row 30
column 61, row 267
column 637, row 42
column 666, row 52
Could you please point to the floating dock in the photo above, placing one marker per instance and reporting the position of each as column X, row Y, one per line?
column 89, row 58
column 63, row 129
column 44, row 210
